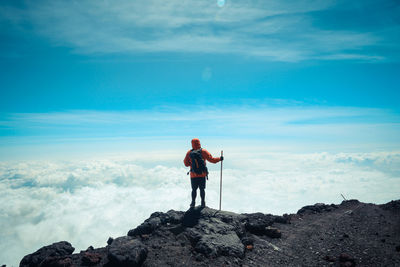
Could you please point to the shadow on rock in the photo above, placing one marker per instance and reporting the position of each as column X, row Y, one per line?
column 191, row 217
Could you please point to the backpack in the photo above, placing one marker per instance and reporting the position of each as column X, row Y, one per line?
column 198, row 164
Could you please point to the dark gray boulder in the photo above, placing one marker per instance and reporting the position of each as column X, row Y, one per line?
column 155, row 221
column 146, row 228
column 216, row 245
column 215, row 233
column 260, row 224
column 272, row 232
column 317, row 208
column 247, row 240
column 126, row 251
column 58, row 249
column 257, row 222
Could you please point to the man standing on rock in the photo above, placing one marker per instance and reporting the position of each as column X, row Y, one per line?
column 196, row 159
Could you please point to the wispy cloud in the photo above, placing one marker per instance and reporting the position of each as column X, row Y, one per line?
column 302, row 124
column 269, row 30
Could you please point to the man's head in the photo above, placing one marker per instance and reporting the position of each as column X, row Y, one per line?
column 196, row 143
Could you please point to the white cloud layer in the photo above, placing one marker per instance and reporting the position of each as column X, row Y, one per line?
column 86, row 201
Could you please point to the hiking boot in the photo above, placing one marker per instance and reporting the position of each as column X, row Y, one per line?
column 192, row 204
column 203, row 204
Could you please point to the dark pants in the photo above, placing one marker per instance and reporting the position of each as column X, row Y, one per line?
column 198, row 182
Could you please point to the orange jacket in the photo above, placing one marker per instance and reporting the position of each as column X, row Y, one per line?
column 204, row 153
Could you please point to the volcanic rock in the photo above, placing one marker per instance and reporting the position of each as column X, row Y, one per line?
column 89, row 259
column 54, row 250
column 156, row 220
column 317, row 208
column 330, row 258
column 318, row 235
column 346, row 260
column 272, row 232
column 57, row 261
column 127, row 251
column 392, row 205
column 257, row 222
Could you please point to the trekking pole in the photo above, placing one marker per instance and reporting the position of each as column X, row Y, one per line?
column 220, row 183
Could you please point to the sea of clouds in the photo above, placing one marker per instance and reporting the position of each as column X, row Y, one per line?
column 84, row 201
column 83, row 176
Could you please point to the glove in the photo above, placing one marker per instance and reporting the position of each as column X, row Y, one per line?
column 221, row 158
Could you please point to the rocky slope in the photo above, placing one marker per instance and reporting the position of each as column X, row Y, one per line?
column 349, row 234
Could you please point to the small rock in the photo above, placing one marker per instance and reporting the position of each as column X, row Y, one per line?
column 199, row 257
column 383, row 240
column 347, row 264
column 256, row 222
column 330, row 258
column 345, row 257
column 249, row 247
column 90, row 259
column 345, row 235
column 247, row 241
column 272, row 232
column 398, row 248
column 346, row 260
column 90, row 248
column 110, row 240
column 285, row 218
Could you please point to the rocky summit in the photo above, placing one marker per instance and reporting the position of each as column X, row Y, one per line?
column 349, row 234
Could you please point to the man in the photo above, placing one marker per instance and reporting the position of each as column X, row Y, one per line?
column 198, row 174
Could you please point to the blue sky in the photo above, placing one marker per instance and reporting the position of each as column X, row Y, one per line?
column 103, row 97
column 63, row 58
column 58, row 55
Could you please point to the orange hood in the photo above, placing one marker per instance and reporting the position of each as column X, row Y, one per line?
column 196, row 143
